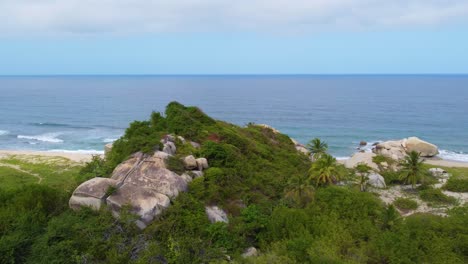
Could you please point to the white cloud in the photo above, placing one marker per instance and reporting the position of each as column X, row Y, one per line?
column 136, row 16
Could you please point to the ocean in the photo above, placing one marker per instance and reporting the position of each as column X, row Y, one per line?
column 83, row 113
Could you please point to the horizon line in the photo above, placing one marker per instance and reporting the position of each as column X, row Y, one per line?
column 233, row 74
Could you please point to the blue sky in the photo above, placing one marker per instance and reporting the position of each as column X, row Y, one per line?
column 247, row 37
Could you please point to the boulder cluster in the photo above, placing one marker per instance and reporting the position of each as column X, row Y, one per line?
column 143, row 183
column 396, row 150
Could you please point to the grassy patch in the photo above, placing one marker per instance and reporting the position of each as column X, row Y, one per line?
column 11, row 178
column 51, row 171
column 436, row 196
column 458, row 182
column 405, row 204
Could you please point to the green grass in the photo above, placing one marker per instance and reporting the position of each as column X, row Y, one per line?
column 55, row 172
column 458, row 182
column 11, row 178
column 405, row 204
column 436, row 197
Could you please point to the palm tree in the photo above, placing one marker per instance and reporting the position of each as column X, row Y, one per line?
column 325, row 170
column 299, row 191
column 317, row 147
column 363, row 170
column 412, row 168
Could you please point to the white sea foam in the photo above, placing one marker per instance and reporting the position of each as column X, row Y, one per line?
column 48, row 137
column 451, row 155
column 4, row 132
column 78, row 151
column 342, row 158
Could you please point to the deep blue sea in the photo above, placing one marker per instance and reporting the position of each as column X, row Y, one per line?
column 83, row 113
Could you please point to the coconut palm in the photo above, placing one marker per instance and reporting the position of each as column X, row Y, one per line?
column 363, row 171
column 325, row 170
column 412, row 168
column 299, row 191
column 317, row 147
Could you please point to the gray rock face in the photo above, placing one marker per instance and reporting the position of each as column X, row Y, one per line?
column 190, row 163
column 158, row 179
column 376, row 180
column 215, row 214
column 360, row 157
column 439, row 173
column 144, row 202
column 143, row 182
column 202, row 164
column 170, row 148
column 197, row 174
column 91, row 193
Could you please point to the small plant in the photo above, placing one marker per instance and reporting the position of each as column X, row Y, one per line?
column 436, row 196
column 111, row 190
column 175, row 164
column 405, row 204
column 456, row 184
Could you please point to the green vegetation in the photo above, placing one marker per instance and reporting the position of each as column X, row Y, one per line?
column 412, row 168
column 317, row 147
column 255, row 175
column 18, row 171
column 363, row 171
column 405, row 204
column 436, row 196
column 326, row 170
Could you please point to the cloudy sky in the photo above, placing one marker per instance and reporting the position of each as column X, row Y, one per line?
column 233, row 37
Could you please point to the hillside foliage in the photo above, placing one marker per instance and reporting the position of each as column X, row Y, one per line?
column 257, row 177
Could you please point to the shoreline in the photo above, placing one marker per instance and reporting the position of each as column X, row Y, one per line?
column 76, row 157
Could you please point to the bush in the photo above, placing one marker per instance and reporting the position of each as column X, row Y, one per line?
column 405, row 204
column 456, row 184
column 436, row 196
column 175, row 164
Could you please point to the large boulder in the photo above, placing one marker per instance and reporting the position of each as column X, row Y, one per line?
column 425, row 148
column 190, row 163
column 144, row 202
column 216, row 214
column 250, row 252
column 439, row 173
column 169, row 148
column 376, row 180
column 158, row 179
column 361, row 157
column 91, row 193
column 202, row 164
column 397, row 149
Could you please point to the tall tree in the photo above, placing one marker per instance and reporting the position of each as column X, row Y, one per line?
column 299, row 191
column 326, row 170
column 412, row 168
column 317, row 148
column 363, row 171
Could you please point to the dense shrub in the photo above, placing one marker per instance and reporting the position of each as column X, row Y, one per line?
column 456, row 184
column 436, row 196
column 405, row 204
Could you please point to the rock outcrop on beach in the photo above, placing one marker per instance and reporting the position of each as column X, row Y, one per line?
column 142, row 182
column 397, row 149
column 361, row 157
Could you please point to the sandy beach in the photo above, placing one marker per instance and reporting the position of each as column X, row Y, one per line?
column 76, row 157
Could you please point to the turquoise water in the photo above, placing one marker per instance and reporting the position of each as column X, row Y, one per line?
column 83, row 113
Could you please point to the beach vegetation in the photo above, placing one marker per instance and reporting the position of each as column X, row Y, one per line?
column 436, row 197
column 405, row 204
column 317, row 147
column 412, row 168
column 267, row 188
